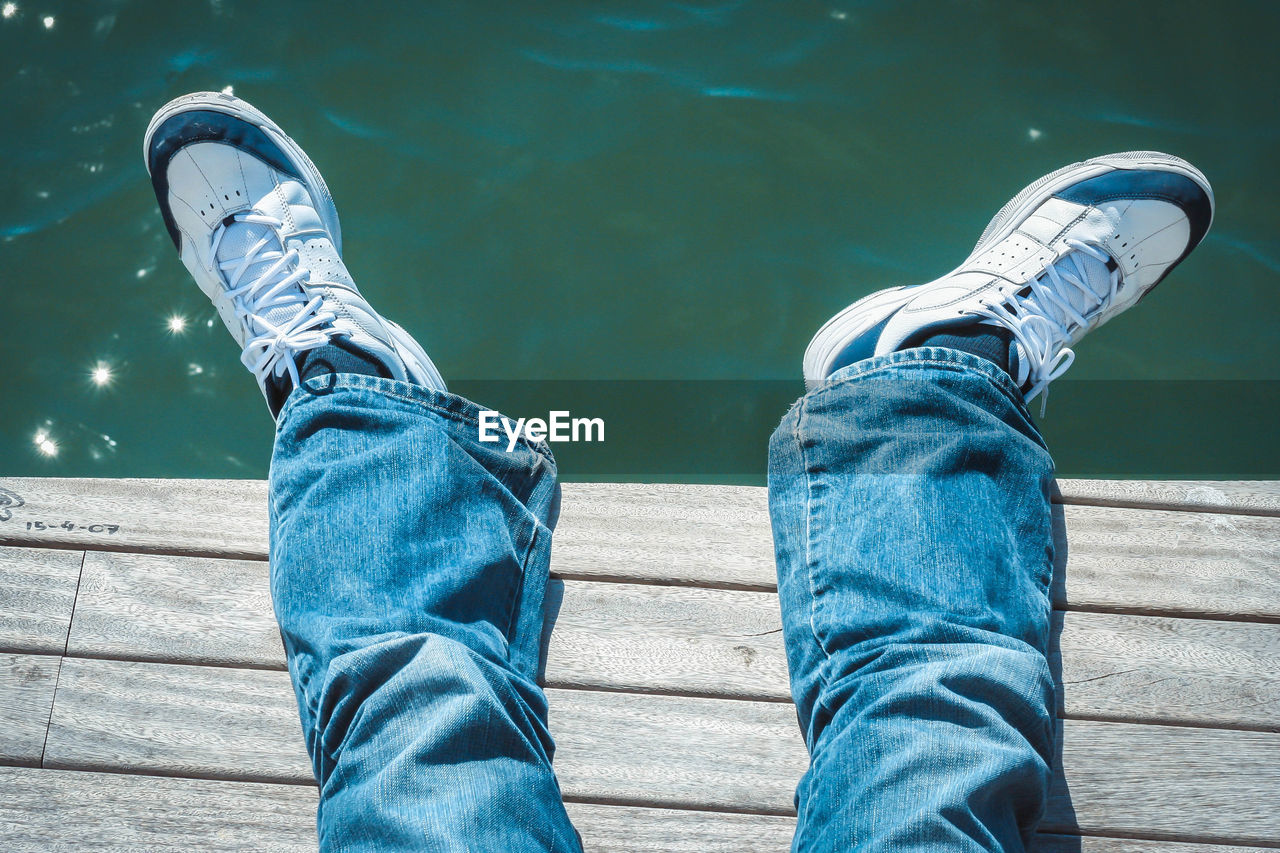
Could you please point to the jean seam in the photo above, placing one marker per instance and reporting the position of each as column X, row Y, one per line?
column 517, row 592
column 810, row 570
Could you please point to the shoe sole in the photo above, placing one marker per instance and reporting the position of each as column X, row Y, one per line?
column 243, row 110
column 856, row 319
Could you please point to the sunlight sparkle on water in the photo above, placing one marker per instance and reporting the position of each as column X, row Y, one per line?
column 9, row 10
column 45, row 444
column 177, row 324
column 101, row 374
column 48, row 22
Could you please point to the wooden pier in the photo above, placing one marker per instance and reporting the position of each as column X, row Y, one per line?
column 144, row 703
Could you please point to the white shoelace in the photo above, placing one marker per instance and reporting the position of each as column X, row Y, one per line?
column 1060, row 301
column 280, row 318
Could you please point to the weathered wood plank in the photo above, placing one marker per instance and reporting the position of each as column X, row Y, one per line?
column 687, row 640
column 228, row 517
column 1166, row 782
column 1249, row 497
column 174, row 608
column 1052, row 843
column 242, row 724
column 1175, row 563
column 1173, row 671
column 713, row 754
column 223, row 517
column 26, row 694
column 44, row 810
column 632, row 829
column 626, row 749
column 37, row 593
column 656, row 533
column 1201, row 564
column 203, row 722
column 1178, row 563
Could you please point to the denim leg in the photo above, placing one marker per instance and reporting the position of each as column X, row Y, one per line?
column 910, row 506
column 409, row 563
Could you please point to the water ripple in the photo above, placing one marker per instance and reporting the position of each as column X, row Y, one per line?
column 634, row 25
column 678, row 78
column 1245, row 248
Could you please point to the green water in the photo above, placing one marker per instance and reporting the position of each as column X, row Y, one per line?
column 639, row 211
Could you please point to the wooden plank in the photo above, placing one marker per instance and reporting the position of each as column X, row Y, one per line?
column 207, row 722
column 149, row 607
column 1196, row 785
column 689, row 641
column 1173, row 563
column 1167, row 782
column 670, row 751
column 1052, row 843
column 1194, row 672
column 685, row 640
column 1177, row 563
column 228, row 517
column 26, row 694
column 654, row 533
column 1202, row 564
column 44, row 810
column 223, row 517
column 1248, row 497
column 37, row 594
column 631, row 829
column 201, row 722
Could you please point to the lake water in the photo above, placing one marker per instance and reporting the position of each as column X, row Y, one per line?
column 637, row 211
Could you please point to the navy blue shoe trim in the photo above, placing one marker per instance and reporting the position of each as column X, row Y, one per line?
column 1174, row 188
column 192, row 126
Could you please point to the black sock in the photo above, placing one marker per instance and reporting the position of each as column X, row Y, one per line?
column 337, row 356
column 993, row 343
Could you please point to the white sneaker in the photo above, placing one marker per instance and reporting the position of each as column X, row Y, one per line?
column 255, row 225
column 1068, row 253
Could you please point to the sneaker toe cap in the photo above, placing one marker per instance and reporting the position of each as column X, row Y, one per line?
column 221, row 140
column 1190, row 196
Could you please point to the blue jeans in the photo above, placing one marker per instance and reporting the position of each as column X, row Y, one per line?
column 409, row 562
column 911, row 521
column 909, row 499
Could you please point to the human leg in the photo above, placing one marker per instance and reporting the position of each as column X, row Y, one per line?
column 408, row 560
column 909, row 497
column 408, row 568
column 911, row 520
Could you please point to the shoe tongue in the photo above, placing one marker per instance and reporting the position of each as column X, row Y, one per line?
column 1093, row 272
column 240, row 239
